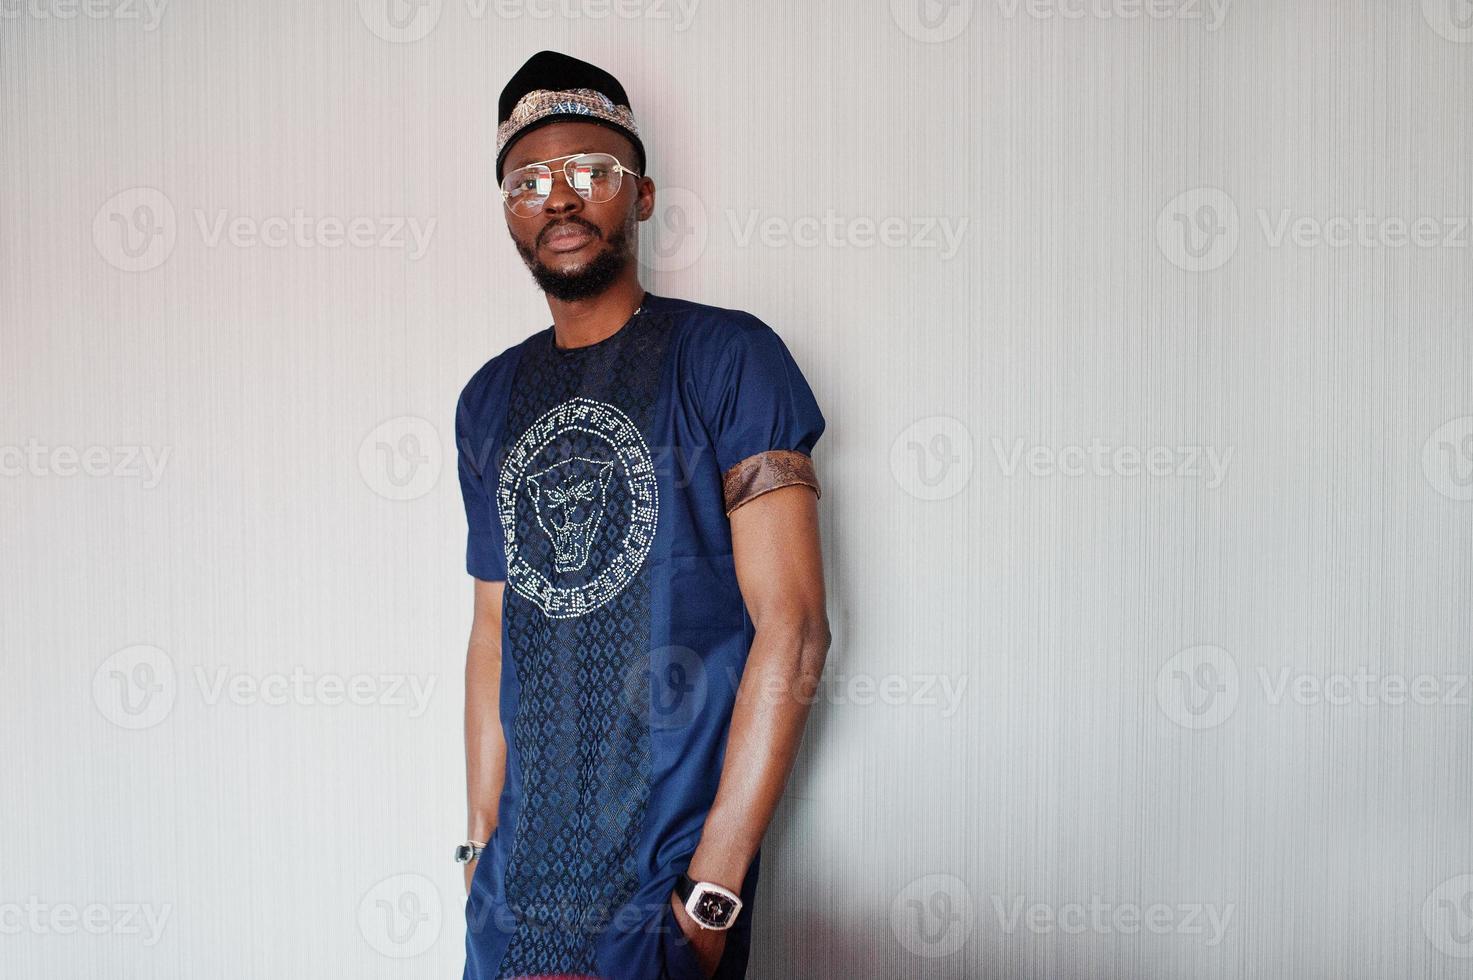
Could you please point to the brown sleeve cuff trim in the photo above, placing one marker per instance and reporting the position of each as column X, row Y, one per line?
column 766, row 471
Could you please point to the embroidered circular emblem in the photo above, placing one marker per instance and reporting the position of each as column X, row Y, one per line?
column 577, row 501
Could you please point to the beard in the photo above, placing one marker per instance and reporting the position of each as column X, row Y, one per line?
column 593, row 277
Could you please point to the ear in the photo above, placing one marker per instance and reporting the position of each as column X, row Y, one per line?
column 645, row 203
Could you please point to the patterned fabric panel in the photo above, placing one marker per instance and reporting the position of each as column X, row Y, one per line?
column 577, row 503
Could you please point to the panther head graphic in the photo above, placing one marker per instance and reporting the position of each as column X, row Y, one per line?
column 569, row 497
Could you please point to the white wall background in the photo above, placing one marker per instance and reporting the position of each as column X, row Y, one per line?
column 1087, row 725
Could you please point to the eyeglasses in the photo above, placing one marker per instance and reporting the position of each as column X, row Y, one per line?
column 595, row 176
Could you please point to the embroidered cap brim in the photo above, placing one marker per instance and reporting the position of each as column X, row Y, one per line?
column 553, row 87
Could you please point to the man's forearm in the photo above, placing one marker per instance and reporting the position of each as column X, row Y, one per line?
column 767, row 722
column 485, row 745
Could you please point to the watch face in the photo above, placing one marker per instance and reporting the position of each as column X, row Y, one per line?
column 714, row 909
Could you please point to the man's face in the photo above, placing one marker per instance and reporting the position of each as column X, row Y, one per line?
column 575, row 248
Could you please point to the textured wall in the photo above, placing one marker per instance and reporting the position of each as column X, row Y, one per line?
column 1143, row 332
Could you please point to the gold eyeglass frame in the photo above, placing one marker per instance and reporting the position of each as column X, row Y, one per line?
column 567, row 173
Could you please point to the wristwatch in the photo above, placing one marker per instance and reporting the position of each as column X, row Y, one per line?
column 712, row 906
column 469, row 851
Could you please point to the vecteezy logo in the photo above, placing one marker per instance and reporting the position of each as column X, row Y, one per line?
column 577, row 501
column 135, row 687
column 400, row 459
column 400, row 21
column 932, row 916
column 401, row 915
column 1447, row 916
column 1447, row 458
column 135, row 230
column 931, row 21
column 669, row 687
column 680, row 227
column 932, row 458
column 570, row 497
column 1198, row 229
column 1198, row 688
column 1453, row 19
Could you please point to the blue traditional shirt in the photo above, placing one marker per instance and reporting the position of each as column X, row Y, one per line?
column 598, row 482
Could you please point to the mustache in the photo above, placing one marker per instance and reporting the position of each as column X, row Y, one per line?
column 567, row 223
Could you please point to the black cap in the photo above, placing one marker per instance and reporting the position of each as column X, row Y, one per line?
column 558, row 72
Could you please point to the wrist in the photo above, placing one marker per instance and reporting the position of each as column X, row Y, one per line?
column 724, row 865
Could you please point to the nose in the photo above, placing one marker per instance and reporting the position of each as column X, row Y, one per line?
column 562, row 199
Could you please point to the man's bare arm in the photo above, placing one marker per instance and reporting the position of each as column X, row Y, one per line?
column 779, row 567
column 485, row 745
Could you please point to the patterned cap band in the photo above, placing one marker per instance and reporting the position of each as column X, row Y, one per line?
column 542, row 103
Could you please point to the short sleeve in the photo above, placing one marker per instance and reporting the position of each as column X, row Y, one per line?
column 764, row 419
column 485, row 548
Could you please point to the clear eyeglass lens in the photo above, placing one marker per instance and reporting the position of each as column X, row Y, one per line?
column 595, row 176
column 526, row 188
